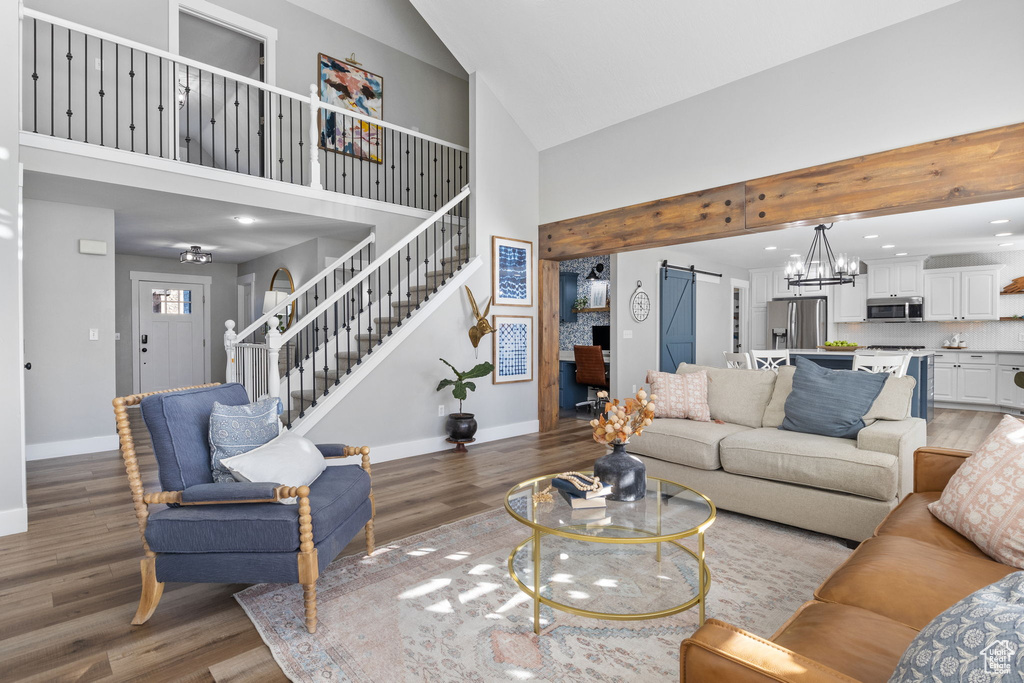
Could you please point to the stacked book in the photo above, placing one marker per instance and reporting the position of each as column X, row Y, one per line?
column 581, row 500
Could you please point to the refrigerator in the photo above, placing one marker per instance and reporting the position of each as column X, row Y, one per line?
column 799, row 323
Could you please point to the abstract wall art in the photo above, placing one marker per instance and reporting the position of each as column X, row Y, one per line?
column 512, row 271
column 513, row 348
column 356, row 89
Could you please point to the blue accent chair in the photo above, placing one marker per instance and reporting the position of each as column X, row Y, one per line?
column 232, row 532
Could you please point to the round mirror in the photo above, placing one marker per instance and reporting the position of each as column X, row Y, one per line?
column 282, row 283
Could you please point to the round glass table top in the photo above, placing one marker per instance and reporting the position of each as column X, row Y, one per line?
column 668, row 511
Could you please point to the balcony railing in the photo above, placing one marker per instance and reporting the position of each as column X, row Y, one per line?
column 89, row 86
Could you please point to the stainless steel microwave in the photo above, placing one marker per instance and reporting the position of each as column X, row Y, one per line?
column 900, row 309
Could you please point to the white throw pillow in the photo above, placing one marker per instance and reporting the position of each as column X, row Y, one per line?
column 289, row 460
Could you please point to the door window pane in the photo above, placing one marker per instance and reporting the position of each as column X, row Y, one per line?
column 172, row 301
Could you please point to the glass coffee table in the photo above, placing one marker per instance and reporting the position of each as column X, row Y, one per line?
column 600, row 563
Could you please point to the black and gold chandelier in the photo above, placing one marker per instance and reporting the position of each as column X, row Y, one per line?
column 822, row 266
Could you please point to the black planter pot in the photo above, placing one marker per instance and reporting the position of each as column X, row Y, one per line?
column 461, row 428
column 626, row 474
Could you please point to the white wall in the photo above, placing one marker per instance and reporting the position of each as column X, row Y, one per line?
column 71, row 384
column 632, row 358
column 13, row 511
column 394, row 410
column 955, row 70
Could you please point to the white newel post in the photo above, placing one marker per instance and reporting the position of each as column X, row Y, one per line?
column 230, row 374
column 314, row 138
column 273, row 353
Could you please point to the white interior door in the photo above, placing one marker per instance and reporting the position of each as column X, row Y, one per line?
column 172, row 331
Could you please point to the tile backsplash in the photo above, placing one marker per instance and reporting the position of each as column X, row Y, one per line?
column 995, row 335
column 579, row 332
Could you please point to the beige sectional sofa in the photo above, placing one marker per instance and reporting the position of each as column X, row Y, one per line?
column 842, row 487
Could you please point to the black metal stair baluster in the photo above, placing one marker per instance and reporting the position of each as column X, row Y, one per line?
column 288, row 386
column 291, row 141
column 35, row 77
column 160, row 107
column 117, row 96
column 408, row 190
column 380, row 160
column 146, row 117
column 188, row 115
column 224, row 104
column 408, row 281
column 434, row 178
column 85, row 83
column 131, row 96
column 237, row 148
column 248, row 130
column 280, row 138
column 391, row 309
column 380, row 315
column 200, row 103
column 102, row 94
column 337, row 348
column 213, row 119
column 70, row 113
column 302, row 167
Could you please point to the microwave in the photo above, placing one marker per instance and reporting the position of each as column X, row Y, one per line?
column 902, row 309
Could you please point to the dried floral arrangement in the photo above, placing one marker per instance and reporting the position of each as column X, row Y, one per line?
column 620, row 420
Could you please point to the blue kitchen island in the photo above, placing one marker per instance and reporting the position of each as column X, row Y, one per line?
column 921, row 368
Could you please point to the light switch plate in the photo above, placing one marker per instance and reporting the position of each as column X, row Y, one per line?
column 94, row 334
column 117, row 336
column 627, row 334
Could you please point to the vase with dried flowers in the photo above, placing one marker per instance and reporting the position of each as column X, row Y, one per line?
column 621, row 420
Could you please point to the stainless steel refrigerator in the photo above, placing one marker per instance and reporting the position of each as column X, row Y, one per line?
column 799, row 323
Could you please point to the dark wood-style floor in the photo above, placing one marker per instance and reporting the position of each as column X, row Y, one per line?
column 70, row 585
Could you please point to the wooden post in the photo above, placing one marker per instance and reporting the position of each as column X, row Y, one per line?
column 309, row 569
column 273, row 354
column 230, row 373
column 370, row 542
column 314, row 138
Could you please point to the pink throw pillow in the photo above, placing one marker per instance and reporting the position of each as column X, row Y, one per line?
column 683, row 396
column 984, row 499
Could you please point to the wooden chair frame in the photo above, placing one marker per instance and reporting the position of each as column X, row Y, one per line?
column 306, row 557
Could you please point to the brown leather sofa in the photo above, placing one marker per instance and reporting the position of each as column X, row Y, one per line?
column 869, row 610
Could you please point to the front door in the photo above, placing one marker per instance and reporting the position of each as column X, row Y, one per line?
column 172, row 329
column 678, row 318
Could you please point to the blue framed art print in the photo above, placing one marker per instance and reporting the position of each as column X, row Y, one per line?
column 512, row 269
column 513, row 348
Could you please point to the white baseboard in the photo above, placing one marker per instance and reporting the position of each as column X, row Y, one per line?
column 14, row 521
column 407, row 449
column 58, row 449
column 985, row 408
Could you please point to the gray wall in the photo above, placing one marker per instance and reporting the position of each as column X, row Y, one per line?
column 71, row 384
column 224, row 306
column 955, row 70
column 13, row 513
column 401, row 392
column 632, row 358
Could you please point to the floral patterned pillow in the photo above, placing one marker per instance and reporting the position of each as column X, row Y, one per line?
column 978, row 640
column 683, row 396
column 984, row 499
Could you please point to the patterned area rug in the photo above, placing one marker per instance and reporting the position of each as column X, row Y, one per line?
column 440, row 606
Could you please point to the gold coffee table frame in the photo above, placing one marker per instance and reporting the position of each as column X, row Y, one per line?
column 703, row 573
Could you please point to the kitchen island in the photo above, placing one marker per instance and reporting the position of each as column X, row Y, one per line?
column 921, row 368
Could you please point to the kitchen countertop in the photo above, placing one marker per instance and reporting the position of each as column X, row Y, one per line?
column 566, row 355
column 917, row 353
column 970, row 349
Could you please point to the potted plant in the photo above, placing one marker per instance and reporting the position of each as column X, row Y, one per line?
column 461, row 427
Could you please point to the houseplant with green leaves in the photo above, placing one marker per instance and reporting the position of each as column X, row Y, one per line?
column 461, row 427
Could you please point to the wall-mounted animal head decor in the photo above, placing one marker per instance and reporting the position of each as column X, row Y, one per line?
column 481, row 328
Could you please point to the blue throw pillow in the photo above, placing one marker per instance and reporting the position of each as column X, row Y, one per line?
column 977, row 639
column 239, row 429
column 830, row 402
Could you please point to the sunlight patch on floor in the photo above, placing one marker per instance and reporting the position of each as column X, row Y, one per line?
column 480, row 589
column 480, row 569
column 423, row 589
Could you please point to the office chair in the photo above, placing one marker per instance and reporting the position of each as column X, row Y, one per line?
column 590, row 371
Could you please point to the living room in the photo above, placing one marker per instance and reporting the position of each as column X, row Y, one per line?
column 475, row 564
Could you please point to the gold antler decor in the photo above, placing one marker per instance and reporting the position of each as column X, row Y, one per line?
column 481, row 328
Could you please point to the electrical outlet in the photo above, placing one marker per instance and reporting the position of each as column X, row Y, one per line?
column 627, row 334
column 634, row 390
column 440, row 410
column 1020, row 336
column 94, row 334
column 117, row 336
column 99, row 64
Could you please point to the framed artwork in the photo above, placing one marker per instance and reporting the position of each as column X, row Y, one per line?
column 512, row 271
column 350, row 87
column 513, row 348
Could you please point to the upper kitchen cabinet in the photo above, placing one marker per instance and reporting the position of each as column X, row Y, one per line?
column 895, row 278
column 761, row 282
column 970, row 293
column 849, row 303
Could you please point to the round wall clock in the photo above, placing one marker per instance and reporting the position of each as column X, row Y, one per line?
column 640, row 303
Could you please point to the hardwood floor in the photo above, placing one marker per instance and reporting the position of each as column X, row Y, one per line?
column 70, row 585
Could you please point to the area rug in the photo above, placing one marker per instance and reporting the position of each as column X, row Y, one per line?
column 440, row 606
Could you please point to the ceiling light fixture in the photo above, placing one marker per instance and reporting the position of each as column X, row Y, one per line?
column 770, row 248
column 1006, row 244
column 794, row 256
column 888, row 246
column 1003, row 234
column 196, row 255
column 822, row 267
column 902, row 253
column 999, row 221
column 245, row 220
column 870, row 237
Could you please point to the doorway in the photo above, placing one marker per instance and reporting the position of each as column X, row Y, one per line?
column 740, row 315
column 678, row 318
column 170, row 325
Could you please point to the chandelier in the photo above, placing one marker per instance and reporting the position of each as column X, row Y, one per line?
column 822, row 267
column 195, row 255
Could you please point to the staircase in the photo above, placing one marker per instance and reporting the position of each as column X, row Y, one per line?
column 350, row 316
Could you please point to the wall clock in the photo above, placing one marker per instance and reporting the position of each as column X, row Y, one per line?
column 640, row 303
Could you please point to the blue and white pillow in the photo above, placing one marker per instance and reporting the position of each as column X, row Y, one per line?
column 238, row 429
column 978, row 640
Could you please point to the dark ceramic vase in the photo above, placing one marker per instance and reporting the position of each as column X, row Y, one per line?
column 625, row 473
column 461, row 427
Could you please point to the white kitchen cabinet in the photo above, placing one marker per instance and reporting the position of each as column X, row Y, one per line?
column 1008, row 394
column 945, row 382
column 965, row 377
column 849, row 303
column 962, row 293
column 895, row 278
column 761, row 284
column 976, row 384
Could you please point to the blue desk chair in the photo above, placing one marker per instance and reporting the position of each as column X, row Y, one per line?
column 232, row 532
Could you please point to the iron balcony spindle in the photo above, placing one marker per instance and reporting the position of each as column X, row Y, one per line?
column 248, row 130
column 291, row 140
column 35, row 78
column 53, row 79
column 224, row 104
column 237, row 149
column 392, row 318
column 337, row 348
column 302, row 164
column 85, row 83
column 160, row 107
column 131, row 97
column 280, row 139
column 188, row 115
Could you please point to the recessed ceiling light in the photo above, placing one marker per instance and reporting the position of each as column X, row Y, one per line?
column 245, row 220
column 870, row 237
column 1003, row 234
column 770, row 248
column 888, row 246
column 794, row 256
column 1006, row 244
column 902, row 253
column 1000, row 221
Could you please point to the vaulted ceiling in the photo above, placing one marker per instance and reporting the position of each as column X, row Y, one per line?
column 565, row 68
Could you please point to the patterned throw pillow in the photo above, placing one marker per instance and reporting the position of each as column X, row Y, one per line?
column 682, row 396
column 984, row 499
column 978, row 640
column 238, row 429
